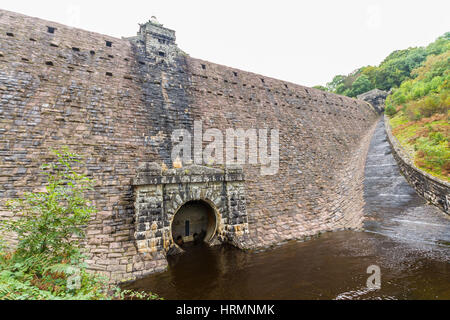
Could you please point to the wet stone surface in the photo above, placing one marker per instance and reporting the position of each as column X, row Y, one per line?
column 392, row 206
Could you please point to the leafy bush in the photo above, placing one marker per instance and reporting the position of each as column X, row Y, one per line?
column 48, row 260
column 320, row 88
column 428, row 139
column 433, row 153
column 51, row 222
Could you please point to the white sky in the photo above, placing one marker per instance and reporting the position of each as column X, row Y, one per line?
column 305, row 42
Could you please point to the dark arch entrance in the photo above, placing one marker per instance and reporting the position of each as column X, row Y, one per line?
column 195, row 221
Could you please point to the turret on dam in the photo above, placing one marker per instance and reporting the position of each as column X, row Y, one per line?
column 118, row 102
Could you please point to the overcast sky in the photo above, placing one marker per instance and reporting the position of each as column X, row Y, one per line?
column 305, row 42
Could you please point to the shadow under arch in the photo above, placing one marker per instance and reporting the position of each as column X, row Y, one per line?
column 194, row 221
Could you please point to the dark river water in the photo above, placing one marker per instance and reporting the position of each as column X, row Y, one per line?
column 408, row 240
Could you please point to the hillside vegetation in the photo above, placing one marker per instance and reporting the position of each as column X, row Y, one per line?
column 391, row 73
column 420, row 114
column 419, row 103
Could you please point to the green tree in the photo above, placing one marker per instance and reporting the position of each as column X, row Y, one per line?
column 319, row 87
column 441, row 45
column 397, row 67
column 360, row 85
column 394, row 70
column 428, row 92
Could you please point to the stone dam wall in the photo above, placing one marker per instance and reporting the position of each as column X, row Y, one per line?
column 432, row 189
column 108, row 100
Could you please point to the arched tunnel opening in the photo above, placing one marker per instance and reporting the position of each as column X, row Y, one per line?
column 194, row 223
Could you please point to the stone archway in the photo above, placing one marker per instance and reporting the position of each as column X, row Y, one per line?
column 196, row 220
column 161, row 194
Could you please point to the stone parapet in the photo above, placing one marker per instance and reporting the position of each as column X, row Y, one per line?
column 432, row 189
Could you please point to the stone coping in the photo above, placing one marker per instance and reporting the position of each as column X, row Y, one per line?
column 152, row 173
column 431, row 188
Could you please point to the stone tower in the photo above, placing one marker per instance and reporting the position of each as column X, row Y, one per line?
column 158, row 41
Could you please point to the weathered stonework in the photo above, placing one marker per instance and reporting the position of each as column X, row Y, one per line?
column 111, row 100
column 159, row 195
column 432, row 189
column 376, row 98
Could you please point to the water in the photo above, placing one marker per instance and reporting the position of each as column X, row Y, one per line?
column 407, row 239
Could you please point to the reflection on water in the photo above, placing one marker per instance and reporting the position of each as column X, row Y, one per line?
column 407, row 239
column 332, row 266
